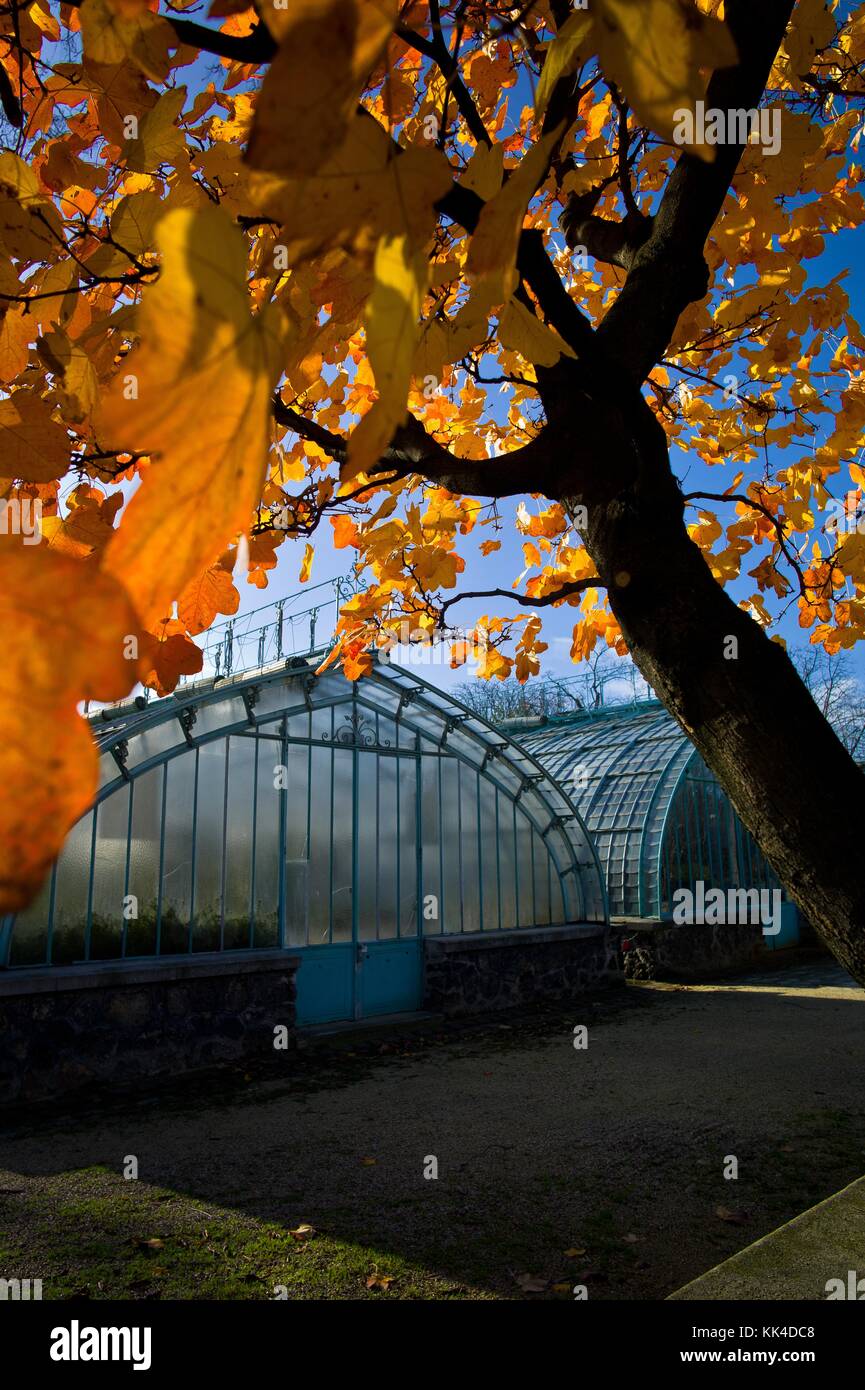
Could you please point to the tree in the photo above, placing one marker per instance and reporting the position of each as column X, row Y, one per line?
column 603, row 679
column 390, row 266
column 839, row 695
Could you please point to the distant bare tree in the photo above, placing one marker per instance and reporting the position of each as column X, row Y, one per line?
column 590, row 688
column 837, row 691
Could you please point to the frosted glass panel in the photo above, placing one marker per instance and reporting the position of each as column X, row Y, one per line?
column 408, row 904
column 267, row 847
column 208, row 847
column 542, row 881
column 489, row 855
column 320, row 846
column 525, row 872
column 450, row 831
column 369, row 789
column 177, row 855
column 70, row 904
column 109, row 876
column 341, row 885
column 238, row 842
column 388, row 842
column 469, row 844
column 430, row 845
column 30, row 934
column 507, row 863
column 144, row 854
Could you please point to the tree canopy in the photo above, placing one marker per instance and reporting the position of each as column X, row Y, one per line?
column 420, row 272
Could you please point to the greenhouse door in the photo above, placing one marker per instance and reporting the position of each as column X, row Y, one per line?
column 370, row 962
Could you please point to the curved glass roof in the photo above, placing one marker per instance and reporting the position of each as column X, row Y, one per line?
column 622, row 767
column 444, row 804
column 659, row 816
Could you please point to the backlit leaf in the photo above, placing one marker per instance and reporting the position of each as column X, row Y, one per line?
column 202, row 377
column 63, row 628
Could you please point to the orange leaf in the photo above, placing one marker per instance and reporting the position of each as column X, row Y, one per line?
column 196, row 392
column 64, row 627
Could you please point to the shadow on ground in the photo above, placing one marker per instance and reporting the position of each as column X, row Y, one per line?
column 556, row 1166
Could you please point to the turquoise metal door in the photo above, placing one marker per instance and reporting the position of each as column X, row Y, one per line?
column 377, row 970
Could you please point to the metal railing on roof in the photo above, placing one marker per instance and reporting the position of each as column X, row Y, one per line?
column 285, row 627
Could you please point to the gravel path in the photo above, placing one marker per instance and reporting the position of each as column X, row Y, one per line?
column 616, row 1151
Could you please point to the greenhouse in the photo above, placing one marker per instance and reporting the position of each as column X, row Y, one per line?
column 346, row 828
column 659, row 818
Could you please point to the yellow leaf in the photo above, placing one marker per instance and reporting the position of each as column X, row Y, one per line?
column 77, row 382
column 200, row 385
column 364, row 185
column 30, row 227
column 306, row 564
column 48, row 604
column 17, row 330
column 572, row 42
column 159, row 139
column 33, row 446
column 210, row 593
column 391, row 336
column 653, row 50
column 484, row 171
column 493, row 247
column 327, row 50
column 114, row 30
column 522, row 332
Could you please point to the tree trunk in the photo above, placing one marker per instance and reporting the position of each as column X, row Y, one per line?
column 740, row 701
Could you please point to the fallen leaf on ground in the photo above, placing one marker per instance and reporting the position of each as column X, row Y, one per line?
column 303, row 1232
column 735, row 1218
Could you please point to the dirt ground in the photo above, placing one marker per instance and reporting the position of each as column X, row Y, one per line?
column 555, row 1165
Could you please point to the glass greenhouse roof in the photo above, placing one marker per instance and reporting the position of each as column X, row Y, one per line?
column 283, row 807
column 622, row 767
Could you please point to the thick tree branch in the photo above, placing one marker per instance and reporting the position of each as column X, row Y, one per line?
column 413, row 450
column 669, row 271
column 437, row 50
column 576, row 586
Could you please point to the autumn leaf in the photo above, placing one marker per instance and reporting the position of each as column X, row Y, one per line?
column 493, row 248
column 306, row 563
column 200, row 385
column 563, row 55
column 391, row 334
column 299, row 119
column 523, row 332
column 366, row 186
column 30, row 226
column 114, row 30
column 159, row 139
column 303, row 1232
column 65, row 630
column 210, row 593
column 654, row 50
column 731, row 1216
column 33, row 445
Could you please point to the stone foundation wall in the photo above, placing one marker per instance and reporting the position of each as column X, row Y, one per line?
column 692, row 952
column 471, row 974
column 78, row 1026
